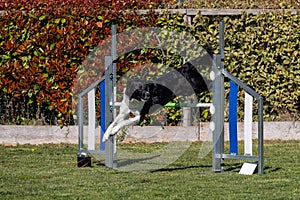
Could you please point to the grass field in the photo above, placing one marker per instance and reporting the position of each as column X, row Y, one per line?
column 50, row 172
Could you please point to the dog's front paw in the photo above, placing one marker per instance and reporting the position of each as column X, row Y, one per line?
column 105, row 137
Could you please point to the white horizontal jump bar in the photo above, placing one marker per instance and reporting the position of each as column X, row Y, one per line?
column 195, row 105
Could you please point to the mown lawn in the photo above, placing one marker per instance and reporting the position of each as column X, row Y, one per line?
column 50, row 172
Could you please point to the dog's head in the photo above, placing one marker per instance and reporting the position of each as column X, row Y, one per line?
column 137, row 89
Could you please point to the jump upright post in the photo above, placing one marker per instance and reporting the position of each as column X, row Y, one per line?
column 217, row 126
column 107, row 85
column 110, row 91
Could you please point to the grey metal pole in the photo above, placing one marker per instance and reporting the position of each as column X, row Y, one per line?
column 114, row 84
column 218, row 101
column 110, row 90
column 80, row 123
column 109, row 144
column 114, row 42
column 114, row 66
column 260, row 137
column 218, row 117
column 222, row 66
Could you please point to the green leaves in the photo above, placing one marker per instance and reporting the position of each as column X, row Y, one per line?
column 43, row 17
column 239, row 4
column 263, row 51
column 32, row 16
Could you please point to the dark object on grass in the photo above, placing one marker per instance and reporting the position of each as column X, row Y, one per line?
column 83, row 160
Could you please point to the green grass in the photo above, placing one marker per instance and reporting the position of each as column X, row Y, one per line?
column 50, row 172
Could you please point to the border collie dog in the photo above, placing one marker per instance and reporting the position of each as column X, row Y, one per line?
column 140, row 96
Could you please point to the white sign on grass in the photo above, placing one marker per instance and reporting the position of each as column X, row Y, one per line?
column 248, row 168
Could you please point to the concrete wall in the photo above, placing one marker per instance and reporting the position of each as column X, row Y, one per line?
column 272, row 131
column 12, row 135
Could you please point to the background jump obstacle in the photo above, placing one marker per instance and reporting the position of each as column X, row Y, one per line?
column 218, row 154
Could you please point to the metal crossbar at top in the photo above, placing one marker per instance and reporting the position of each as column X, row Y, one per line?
column 207, row 11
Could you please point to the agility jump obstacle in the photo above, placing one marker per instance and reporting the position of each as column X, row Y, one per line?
column 108, row 103
column 217, row 125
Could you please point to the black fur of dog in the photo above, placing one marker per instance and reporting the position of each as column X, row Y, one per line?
column 171, row 85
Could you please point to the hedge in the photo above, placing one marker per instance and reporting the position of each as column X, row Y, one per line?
column 43, row 47
column 263, row 51
column 238, row 4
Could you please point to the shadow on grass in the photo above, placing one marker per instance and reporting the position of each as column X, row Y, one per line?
column 122, row 163
column 268, row 170
column 128, row 162
column 181, row 168
column 235, row 167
